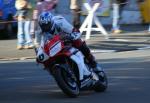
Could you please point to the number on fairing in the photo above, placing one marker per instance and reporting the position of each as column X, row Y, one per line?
column 55, row 49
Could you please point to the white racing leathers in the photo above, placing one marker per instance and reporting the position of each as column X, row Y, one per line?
column 62, row 27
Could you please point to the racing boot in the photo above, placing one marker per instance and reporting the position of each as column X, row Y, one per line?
column 94, row 65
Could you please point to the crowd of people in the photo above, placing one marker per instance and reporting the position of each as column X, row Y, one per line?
column 118, row 6
column 27, row 16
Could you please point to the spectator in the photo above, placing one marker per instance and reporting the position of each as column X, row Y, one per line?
column 31, row 11
column 38, row 9
column 22, row 15
column 75, row 6
column 41, row 5
column 118, row 6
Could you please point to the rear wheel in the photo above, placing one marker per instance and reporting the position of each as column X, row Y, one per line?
column 66, row 80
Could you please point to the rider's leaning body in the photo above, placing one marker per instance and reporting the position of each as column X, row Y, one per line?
column 52, row 25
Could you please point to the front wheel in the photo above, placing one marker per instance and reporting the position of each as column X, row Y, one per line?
column 101, row 84
column 66, row 80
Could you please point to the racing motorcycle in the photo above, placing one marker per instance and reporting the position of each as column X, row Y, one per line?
column 69, row 67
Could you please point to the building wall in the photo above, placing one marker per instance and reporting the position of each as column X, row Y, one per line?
column 130, row 15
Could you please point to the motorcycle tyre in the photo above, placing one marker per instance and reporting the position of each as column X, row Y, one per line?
column 101, row 85
column 63, row 85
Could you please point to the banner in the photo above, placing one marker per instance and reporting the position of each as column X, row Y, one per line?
column 103, row 10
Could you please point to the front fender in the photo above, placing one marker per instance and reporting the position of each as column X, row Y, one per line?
column 61, row 66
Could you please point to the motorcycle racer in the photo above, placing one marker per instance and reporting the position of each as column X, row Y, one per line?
column 52, row 25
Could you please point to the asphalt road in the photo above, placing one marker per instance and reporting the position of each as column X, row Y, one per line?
column 25, row 82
